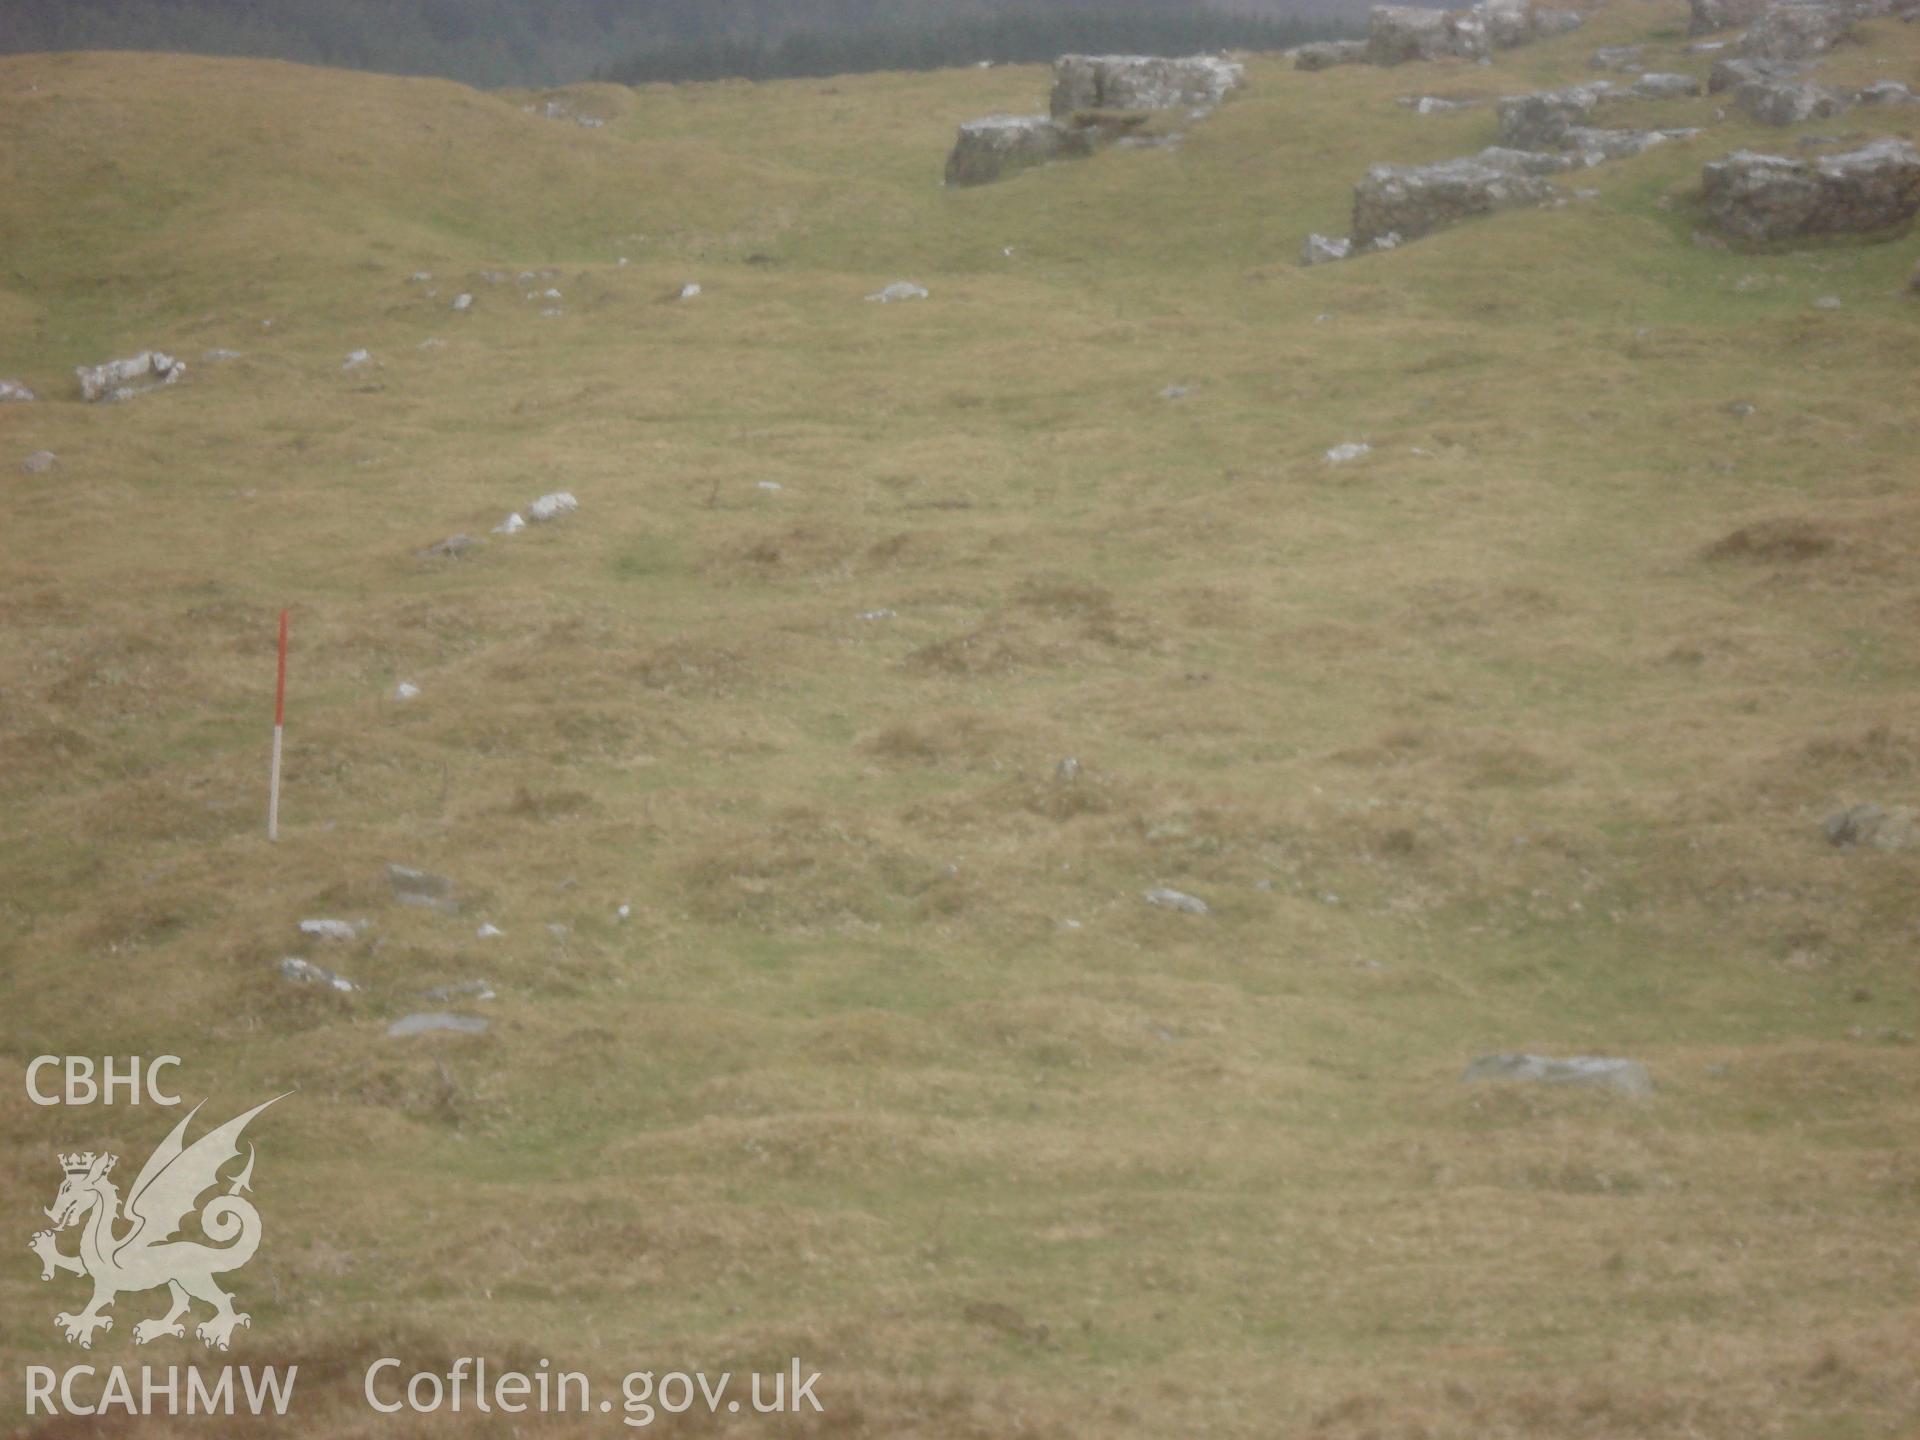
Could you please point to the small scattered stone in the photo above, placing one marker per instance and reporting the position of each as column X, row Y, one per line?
column 306, row 973
column 13, row 392
column 219, row 355
column 875, row 615
column 488, row 931
column 357, row 358
column 1176, row 392
column 899, row 290
column 690, row 291
column 1067, row 771
column 1319, row 249
column 451, row 548
column 512, row 525
column 552, row 507
column 1628, row 1077
column 1351, row 450
column 406, row 691
column 429, row 1022
column 39, row 462
column 1165, row 898
column 463, row 301
column 1827, row 302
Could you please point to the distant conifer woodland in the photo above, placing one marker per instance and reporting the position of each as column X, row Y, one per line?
column 539, row 42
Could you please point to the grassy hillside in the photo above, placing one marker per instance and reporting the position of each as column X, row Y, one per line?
column 1515, row 734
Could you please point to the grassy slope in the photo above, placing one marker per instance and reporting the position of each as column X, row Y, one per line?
column 1468, row 746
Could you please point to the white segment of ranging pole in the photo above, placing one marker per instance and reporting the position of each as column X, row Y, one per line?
column 279, row 726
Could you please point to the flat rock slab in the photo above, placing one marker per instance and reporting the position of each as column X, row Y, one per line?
column 436, row 1021
column 1628, row 1077
column 15, row 393
column 39, row 462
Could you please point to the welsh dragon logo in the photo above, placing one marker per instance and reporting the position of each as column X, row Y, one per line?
column 134, row 1249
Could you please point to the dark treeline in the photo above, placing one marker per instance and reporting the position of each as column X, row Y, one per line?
column 543, row 42
column 1011, row 37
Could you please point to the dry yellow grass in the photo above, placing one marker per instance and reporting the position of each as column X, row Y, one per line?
column 1514, row 736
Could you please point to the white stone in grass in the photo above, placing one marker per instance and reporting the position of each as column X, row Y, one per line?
column 512, row 525
column 406, row 691
column 552, row 507
column 356, row 359
column 39, row 462
column 13, row 391
column 690, row 290
column 1166, row 898
column 899, row 290
column 488, row 931
column 304, row 972
column 463, row 301
column 771, row 486
column 1350, row 451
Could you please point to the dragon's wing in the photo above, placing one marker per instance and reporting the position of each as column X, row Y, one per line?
column 164, row 1192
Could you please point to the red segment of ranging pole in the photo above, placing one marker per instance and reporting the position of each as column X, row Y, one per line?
column 279, row 725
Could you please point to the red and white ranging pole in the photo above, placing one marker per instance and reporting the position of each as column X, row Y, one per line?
column 279, row 726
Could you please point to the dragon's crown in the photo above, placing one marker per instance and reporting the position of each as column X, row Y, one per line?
column 79, row 1163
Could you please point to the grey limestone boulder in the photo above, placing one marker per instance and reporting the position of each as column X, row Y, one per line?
column 1414, row 200
column 998, row 145
column 1761, row 198
column 122, row 379
column 1141, row 82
